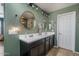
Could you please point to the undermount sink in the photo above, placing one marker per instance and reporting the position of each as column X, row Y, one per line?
column 28, row 38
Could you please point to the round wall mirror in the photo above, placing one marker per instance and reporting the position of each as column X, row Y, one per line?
column 27, row 19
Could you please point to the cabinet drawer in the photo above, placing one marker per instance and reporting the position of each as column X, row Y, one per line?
column 34, row 51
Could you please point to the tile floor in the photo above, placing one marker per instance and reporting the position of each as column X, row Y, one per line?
column 1, row 48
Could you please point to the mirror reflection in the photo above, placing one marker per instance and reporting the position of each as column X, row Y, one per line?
column 27, row 19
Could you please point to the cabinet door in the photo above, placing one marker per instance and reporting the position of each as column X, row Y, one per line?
column 34, row 51
column 51, row 41
column 47, row 44
column 38, row 48
column 41, row 50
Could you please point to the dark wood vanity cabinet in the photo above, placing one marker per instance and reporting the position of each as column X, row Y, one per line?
column 47, row 44
column 37, row 51
column 38, row 48
column 51, row 41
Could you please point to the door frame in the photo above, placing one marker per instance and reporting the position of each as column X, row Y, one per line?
column 74, row 29
column 1, row 19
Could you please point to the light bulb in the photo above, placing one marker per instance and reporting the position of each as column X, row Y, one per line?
column 33, row 6
column 36, row 8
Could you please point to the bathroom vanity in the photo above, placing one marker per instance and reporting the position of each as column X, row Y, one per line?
column 36, row 44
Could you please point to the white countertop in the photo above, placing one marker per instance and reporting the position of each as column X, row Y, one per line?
column 28, row 38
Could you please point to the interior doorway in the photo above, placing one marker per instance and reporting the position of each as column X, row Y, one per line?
column 66, row 30
column 1, row 38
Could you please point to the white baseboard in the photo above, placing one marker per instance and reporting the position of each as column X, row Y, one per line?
column 76, row 52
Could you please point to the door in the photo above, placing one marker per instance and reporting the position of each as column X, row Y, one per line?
column 66, row 30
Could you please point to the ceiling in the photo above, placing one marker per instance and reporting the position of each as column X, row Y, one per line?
column 50, row 7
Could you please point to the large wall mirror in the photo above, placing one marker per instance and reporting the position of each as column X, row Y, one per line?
column 27, row 19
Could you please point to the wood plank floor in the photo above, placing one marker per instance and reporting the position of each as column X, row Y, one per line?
column 1, row 48
column 61, row 52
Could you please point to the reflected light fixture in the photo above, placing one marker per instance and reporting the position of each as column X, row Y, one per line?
column 37, row 8
column 14, row 30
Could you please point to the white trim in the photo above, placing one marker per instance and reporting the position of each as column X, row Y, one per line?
column 74, row 29
column 57, row 31
column 76, row 52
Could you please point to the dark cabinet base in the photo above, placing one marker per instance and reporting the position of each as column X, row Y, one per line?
column 38, row 48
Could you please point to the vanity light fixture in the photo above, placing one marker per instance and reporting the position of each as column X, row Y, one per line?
column 30, row 4
column 36, row 7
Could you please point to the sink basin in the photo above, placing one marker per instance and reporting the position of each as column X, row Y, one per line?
column 29, row 38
